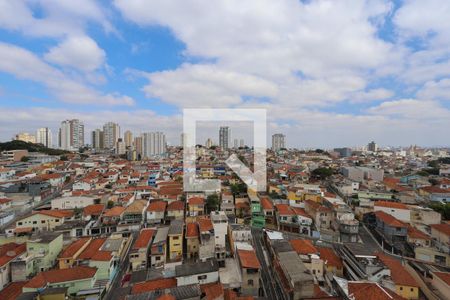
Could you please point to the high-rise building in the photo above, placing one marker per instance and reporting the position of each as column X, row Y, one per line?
column 128, row 136
column 111, row 133
column 153, row 144
column 372, row 146
column 44, row 137
column 241, row 143
column 278, row 141
column 97, row 139
column 344, row 152
column 235, row 144
column 25, row 137
column 71, row 135
column 120, row 147
column 138, row 146
column 224, row 137
column 182, row 139
column 209, row 143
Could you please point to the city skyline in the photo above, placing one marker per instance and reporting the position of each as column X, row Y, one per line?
column 380, row 77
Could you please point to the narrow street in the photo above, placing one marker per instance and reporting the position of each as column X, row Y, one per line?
column 270, row 284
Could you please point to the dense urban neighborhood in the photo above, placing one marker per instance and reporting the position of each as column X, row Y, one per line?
column 112, row 220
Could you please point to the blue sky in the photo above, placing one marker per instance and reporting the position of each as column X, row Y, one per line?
column 329, row 73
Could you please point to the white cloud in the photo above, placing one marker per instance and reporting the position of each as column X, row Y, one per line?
column 425, row 111
column 80, row 52
column 26, row 65
column 437, row 90
column 371, row 95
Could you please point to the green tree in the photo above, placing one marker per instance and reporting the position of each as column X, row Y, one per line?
column 442, row 208
column 322, row 173
column 25, row 159
column 212, row 202
column 110, row 204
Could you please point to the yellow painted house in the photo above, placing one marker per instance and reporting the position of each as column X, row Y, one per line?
column 405, row 285
column 68, row 256
column 43, row 220
column 176, row 240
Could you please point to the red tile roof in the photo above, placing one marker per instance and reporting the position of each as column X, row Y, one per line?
column 12, row 291
column 63, row 275
column 93, row 210
column 176, row 205
column 248, row 259
column 157, row 206
column 191, row 230
column 284, row 210
column 399, row 274
column 74, row 247
column 391, row 204
column 388, row 219
column 329, row 257
column 205, row 224
column 444, row 276
column 300, row 212
column 370, row 291
column 212, row 291
column 102, row 256
column 152, row 285
column 414, row 233
column 4, row 200
column 10, row 251
column 93, row 247
column 266, row 203
column 144, row 238
column 196, row 201
column 303, row 246
column 443, row 228
column 116, row 211
column 55, row 213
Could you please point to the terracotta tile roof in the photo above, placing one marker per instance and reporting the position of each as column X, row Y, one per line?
column 55, row 213
column 93, row 247
column 176, row 205
column 63, row 275
column 116, row 211
column 391, row 204
column 444, row 228
column 248, row 259
column 266, row 203
column 444, row 276
column 144, row 238
column 166, row 297
column 12, row 291
column 4, row 200
column 93, row 210
column 388, row 219
column 417, row 234
column 319, row 293
column 157, row 206
column 284, row 210
column 435, row 190
column 212, row 291
column 152, row 285
column 303, row 246
column 191, row 230
column 196, row 201
column 205, row 224
column 10, row 251
column 399, row 274
column 300, row 212
column 74, row 247
column 329, row 257
column 102, row 256
column 370, row 291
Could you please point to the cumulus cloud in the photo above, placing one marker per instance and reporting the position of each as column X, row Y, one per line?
column 25, row 65
column 80, row 52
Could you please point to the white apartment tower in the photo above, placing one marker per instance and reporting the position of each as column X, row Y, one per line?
column 111, row 133
column 128, row 136
column 153, row 144
column 71, row 135
column 44, row 137
column 278, row 141
column 224, row 137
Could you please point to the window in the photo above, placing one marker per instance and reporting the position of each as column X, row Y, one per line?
column 56, row 220
column 250, row 282
column 412, row 289
column 175, row 237
column 34, row 222
column 401, row 288
column 201, row 277
column 20, row 223
column 42, row 222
